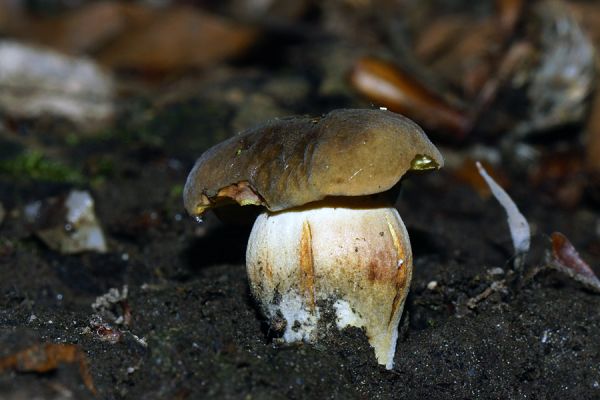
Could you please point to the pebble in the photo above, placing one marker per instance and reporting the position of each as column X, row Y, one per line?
column 495, row 271
column 432, row 285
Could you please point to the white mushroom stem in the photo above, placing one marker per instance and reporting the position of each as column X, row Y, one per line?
column 352, row 259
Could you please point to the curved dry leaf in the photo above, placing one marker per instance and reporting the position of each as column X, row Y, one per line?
column 567, row 260
column 387, row 85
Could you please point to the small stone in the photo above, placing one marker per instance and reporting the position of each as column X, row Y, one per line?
column 495, row 271
column 75, row 227
column 432, row 285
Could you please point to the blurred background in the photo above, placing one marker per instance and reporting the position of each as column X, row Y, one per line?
column 516, row 77
column 510, row 82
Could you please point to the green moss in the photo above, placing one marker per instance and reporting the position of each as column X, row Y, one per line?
column 176, row 191
column 33, row 165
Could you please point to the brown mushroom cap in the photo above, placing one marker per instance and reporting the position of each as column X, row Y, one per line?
column 293, row 161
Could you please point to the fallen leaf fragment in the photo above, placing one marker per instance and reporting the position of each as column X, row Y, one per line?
column 518, row 225
column 177, row 38
column 84, row 29
column 387, row 85
column 140, row 37
column 457, row 48
column 567, row 260
column 47, row 357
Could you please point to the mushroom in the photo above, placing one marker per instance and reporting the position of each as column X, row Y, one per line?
column 329, row 250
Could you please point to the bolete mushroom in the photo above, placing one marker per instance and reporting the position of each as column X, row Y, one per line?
column 328, row 249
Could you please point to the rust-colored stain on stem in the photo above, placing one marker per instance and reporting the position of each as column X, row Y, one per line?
column 401, row 272
column 307, row 264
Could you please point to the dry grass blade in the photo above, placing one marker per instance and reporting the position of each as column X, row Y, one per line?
column 518, row 225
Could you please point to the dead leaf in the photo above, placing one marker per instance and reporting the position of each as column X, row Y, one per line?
column 178, row 38
column 389, row 86
column 568, row 261
column 138, row 37
column 47, row 357
column 461, row 50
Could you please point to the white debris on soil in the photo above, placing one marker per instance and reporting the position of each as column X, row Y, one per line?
column 519, row 228
column 495, row 271
column 68, row 225
column 112, row 318
column 35, row 81
column 495, row 287
column 432, row 285
column 139, row 340
column 108, row 300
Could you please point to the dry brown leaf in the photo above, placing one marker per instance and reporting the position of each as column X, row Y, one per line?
column 465, row 53
column 178, row 38
column 138, row 37
column 568, row 261
column 388, row 85
column 46, row 357
column 86, row 29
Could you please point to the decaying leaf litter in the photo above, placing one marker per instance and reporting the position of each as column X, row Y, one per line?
column 484, row 329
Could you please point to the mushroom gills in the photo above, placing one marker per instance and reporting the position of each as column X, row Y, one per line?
column 350, row 259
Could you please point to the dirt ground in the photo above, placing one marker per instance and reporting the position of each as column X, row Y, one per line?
column 190, row 301
column 473, row 325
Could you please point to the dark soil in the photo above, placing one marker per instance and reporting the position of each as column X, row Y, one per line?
column 190, row 300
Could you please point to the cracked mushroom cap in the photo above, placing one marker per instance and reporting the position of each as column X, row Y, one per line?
column 289, row 162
